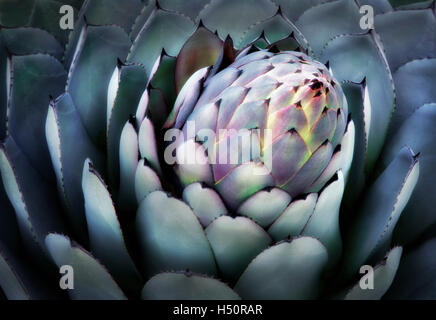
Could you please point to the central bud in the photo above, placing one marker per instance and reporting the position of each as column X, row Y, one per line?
column 280, row 115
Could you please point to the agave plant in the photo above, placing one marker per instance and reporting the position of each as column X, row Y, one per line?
column 98, row 122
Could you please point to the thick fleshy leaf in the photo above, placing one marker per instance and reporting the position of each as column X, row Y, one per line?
column 265, row 206
column 415, row 278
column 163, row 30
column 163, row 78
column 9, row 232
column 323, row 22
column 418, row 132
column 415, row 76
column 293, row 9
column 23, row 41
column 5, row 64
column 235, row 242
column 146, row 181
column 69, row 146
column 370, row 236
column 182, row 286
column 323, row 224
column 190, row 9
column 239, row 16
column 129, row 155
column 91, row 280
column 147, row 144
column 105, row 231
column 10, row 282
column 33, row 199
column 171, row 237
column 106, row 12
column 288, row 270
column 123, row 99
column 91, row 69
column 35, row 78
column 242, row 182
column 293, row 219
column 205, row 202
column 200, row 50
column 193, row 163
column 384, row 274
column 358, row 57
column 415, row 28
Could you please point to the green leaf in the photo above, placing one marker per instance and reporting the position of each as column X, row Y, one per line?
column 235, row 242
column 323, row 224
column 69, row 147
column 265, row 206
column 146, row 181
column 24, row 41
column 188, row 8
column 91, row 69
column 125, row 89
column 120, row 13
column 163, row 30
column 205, row 203
column 171, row 236
column 415, row 76
column 91, row 280
column 182, row 286
column 288, row 270
column 419, row 132
column 105, row 230
column 370, row 236
column 33, row 199
column 325, row 21
column 384, row 274
column 238, row 16
column 35, row 79
column 355, row 58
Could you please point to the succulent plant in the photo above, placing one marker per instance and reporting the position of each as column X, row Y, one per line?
column 217, row 149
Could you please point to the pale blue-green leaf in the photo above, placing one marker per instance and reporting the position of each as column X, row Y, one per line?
column 146, row 181
column 288, row 270
column 171, row 237
column 91, row 279
column 182, row 286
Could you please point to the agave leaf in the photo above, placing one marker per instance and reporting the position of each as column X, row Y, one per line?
column 419, row 132
column 384, row 274
column 120, row 13
column 69, row 146
column 92, row 66
column 163, row 78
column 15, row 13
column 235, row 242
column 91, row 280
column 201, row 50
column 370, row 236
column 186, row 286
column 323, row 224
column 129, row 154
column 411, row 4
column 414, row 76
column 147, row 144
column 35, row 78
column 125, row 89
column 323, row 22
column 242, row 182
column 105, row 231
column 415, row 278
column 358, row 108
column 142, row 18
column 171, row 237
column 146, row 181
column 265, row 206
column 415, row 28
column 292, row 220
column 288, row 270
column 239, row 16
column 379, row 6
column 157, row 109
column 188, row 8
column 34, row 202
column 163, row 30
column 293, row 9
column 353, row 58
column 205, row 203
column 9, row 233
column 10, row 282
column 23, row 41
